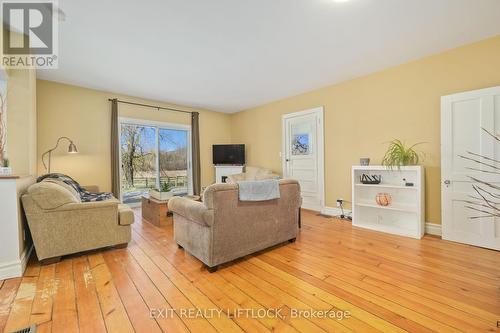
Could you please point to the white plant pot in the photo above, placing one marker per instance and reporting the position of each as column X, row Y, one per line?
column 5, row 171
column 160, row 195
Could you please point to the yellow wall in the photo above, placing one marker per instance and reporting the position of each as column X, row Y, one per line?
column 84, row 116
column 21, row 132
column 361, row 115
column 21, row 121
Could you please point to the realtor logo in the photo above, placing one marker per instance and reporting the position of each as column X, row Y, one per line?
column 29, row 38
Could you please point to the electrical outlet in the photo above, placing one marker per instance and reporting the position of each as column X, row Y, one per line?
column 340, row 202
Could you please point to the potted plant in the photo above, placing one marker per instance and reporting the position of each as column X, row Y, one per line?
column 163, row 193
column 5, row 169
column 398, row 154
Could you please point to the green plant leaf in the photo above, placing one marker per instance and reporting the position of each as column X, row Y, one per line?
column 398, row 154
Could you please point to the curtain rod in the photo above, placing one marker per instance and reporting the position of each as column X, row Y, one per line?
column 150, row 106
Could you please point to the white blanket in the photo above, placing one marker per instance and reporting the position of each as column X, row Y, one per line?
column 259, row 190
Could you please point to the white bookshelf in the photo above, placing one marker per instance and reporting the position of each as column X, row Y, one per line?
column 405, row 215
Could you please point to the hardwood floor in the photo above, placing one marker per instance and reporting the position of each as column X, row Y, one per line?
column 386, row 283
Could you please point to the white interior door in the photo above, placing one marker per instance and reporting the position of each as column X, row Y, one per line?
column 303, row 154
column 462, row 118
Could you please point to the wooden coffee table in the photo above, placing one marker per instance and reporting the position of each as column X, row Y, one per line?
column 156, row 212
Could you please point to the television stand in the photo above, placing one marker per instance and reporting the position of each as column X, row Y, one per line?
column 223, row 171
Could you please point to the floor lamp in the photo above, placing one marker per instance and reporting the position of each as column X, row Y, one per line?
column 71, row 150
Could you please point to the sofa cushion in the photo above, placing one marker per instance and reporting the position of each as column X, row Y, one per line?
column 48, row 195
column 63, row 184
column 125, row 215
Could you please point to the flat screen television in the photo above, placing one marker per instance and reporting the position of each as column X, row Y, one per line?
column 228, row 154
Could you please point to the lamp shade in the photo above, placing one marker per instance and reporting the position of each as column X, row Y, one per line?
column 72, row 148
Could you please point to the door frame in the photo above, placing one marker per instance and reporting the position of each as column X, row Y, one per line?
column 446, row 103
column 319, row 111
column 158, row 125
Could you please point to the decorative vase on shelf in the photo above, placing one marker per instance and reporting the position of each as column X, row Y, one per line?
column 383, row 199
column 5, row 171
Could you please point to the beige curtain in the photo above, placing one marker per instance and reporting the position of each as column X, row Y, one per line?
column 115, row 150
column 195, row 148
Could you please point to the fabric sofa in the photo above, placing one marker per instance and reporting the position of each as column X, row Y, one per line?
column 223, row 228
column 252, row 173
column 61, row 224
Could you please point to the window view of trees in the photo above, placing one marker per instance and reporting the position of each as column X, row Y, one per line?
column 139, row 151
column 135, row 158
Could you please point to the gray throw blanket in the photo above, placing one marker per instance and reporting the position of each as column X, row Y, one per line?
column 85, row 195
column 259, row 190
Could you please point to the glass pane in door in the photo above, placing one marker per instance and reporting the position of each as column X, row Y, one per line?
column 138, row 148
column 173, row 156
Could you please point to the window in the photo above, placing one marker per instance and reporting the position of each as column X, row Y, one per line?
column 153, row 154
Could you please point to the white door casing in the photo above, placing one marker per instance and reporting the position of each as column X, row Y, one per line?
column 305, row 163
column 157, row 125
column 462, row 117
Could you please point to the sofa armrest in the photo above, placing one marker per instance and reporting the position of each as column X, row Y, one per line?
column 91, row 188
column 192, row 210
column 88, row 205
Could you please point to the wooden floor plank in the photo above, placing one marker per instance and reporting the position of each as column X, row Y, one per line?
column 376, row 277
column 45, row 327
column 41, row 310
column 136, row 308
column 170, row 292
column 359, row 254
column 150, row 292
column 20, row 313
column 64, row 313
column 420, row 304
column 115, row 316
column 327, row 292
column 212, row 285
column 90, row 318
column 7, row 296
column 222, row 323
column 462, row 276
column 345, row 259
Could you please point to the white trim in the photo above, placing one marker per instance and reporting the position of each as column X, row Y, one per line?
column 25, row 256
column 321, row 147
column 334, row 211
column 433, row 229
column 470, row 94
column 430, row 228
column 15, row 268
column 483, row 233
column 153, row 123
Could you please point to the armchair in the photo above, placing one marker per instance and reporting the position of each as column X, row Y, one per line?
column 61, row 224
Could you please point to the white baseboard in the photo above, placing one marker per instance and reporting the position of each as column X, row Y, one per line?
column 15, row 268
column 433, row 229
column 430, row 228
column 334, row 211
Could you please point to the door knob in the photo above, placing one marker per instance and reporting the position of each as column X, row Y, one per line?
column 447, row 182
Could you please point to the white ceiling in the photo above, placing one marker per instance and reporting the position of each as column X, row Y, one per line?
column 230, row 55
